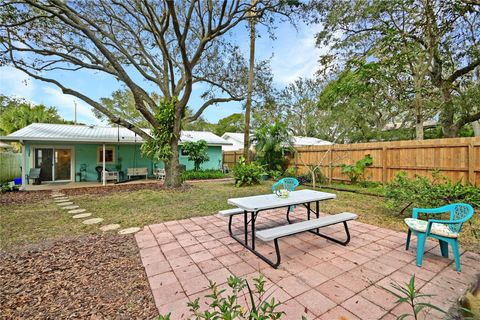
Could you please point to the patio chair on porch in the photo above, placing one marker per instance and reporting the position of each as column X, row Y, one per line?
column 286, row 183
column 34, row 174
column 446, row 231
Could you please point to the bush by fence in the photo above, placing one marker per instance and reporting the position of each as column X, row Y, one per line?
column 458, row 159
column 10, row 166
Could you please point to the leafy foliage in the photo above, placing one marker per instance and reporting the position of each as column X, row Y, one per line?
column 403, row 192
column 202, row 174
column 197, row 152
column 16, row 114
column 272, row 144
column 247, row 174
column 158, row 148
column 410, row 295
column 259, row 306
column 356, row 172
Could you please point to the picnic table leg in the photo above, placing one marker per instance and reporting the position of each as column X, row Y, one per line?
column 308, row 210
column 317, row 212
column 253, row 217
column 245, row 222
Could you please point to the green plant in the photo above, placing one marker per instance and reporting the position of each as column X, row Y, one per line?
column 259, row 306
column 247, row 174
column 290, row 172
column 273, row 142
column 158, row 148
column 197, row 152
column 356, row 172
column 410, row 295
column 202, row 174
column 403, row 192
column 275, row 174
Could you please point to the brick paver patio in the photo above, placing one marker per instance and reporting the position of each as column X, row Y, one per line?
column 317, row 278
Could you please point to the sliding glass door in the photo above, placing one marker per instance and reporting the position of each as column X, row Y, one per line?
column 63, row 161
column 55, row 164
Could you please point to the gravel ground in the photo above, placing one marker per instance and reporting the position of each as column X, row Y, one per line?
column 89, row 277
column 24, row 197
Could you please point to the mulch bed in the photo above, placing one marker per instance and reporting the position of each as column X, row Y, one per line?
column 20, row 197
column 89, row 277
column 104, row 190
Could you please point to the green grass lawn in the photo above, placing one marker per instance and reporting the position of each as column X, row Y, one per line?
column 24, row 224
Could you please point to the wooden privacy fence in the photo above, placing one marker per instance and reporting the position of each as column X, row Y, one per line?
column 457, row 159
column 230, row 158
column 10, row 166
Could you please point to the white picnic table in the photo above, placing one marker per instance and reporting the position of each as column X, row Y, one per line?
column 253, row 205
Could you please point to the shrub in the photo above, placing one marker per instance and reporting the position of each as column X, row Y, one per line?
column 247, row 174
column 259, row 306
column 203, row 174
column 290, row 172
column 356, row 172
column 197, row 152
column 307, row 177
column 403, row 192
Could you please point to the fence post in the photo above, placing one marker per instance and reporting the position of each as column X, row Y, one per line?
column 330, row 165
column 471, row 163
column 384, row 164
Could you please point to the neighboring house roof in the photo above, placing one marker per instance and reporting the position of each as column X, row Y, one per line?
column 237, row 141
column 98, row 134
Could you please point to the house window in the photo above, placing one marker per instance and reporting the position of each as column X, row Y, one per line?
column 109, row 155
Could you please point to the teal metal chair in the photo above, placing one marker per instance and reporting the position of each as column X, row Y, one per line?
column 286, row 183
column 446, row 231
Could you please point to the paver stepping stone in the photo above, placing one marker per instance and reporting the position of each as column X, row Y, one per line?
column 129, row 230
column 63, row 204
column 70, row 207
column 56, row 195
column 62, row 200
column 81, row 215
column 75, row 211
column 110, row 227
column 92, row 221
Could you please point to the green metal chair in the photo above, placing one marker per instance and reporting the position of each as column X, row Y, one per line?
column 446, row 231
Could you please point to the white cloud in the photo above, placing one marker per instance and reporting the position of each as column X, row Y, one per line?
column 66, row 106
column 14, row 82
column 295, row 53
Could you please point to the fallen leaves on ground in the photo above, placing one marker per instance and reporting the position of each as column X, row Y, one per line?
column 94, row 277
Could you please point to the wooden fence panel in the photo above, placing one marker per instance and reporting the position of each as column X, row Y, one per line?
column 457, row 159
column 10, row 166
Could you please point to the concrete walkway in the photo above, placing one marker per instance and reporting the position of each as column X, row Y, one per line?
column 317, row 278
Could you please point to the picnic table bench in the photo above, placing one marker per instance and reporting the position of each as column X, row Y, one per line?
column 251, row 206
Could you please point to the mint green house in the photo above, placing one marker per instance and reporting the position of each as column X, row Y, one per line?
column 79, row 152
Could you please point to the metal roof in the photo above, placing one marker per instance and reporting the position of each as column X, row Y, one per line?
column 298, row 141
column 98, row 134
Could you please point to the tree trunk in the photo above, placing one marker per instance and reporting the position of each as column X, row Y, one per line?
column 173, row 176
column 248, row 103
column 418, row 117
column 476, row 128
column 450, row 130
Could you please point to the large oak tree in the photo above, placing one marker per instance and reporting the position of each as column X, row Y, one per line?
column 163, row 46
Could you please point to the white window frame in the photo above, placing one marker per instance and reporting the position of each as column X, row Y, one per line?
column 107, row 148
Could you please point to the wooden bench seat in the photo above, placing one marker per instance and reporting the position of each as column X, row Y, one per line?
column 230, row 212
column 132, row 172
column 294, row 228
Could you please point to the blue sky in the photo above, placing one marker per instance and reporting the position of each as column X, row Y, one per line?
column 293, row 55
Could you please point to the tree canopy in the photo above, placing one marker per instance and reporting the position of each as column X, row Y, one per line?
column 166, row 46
column 16, row 114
